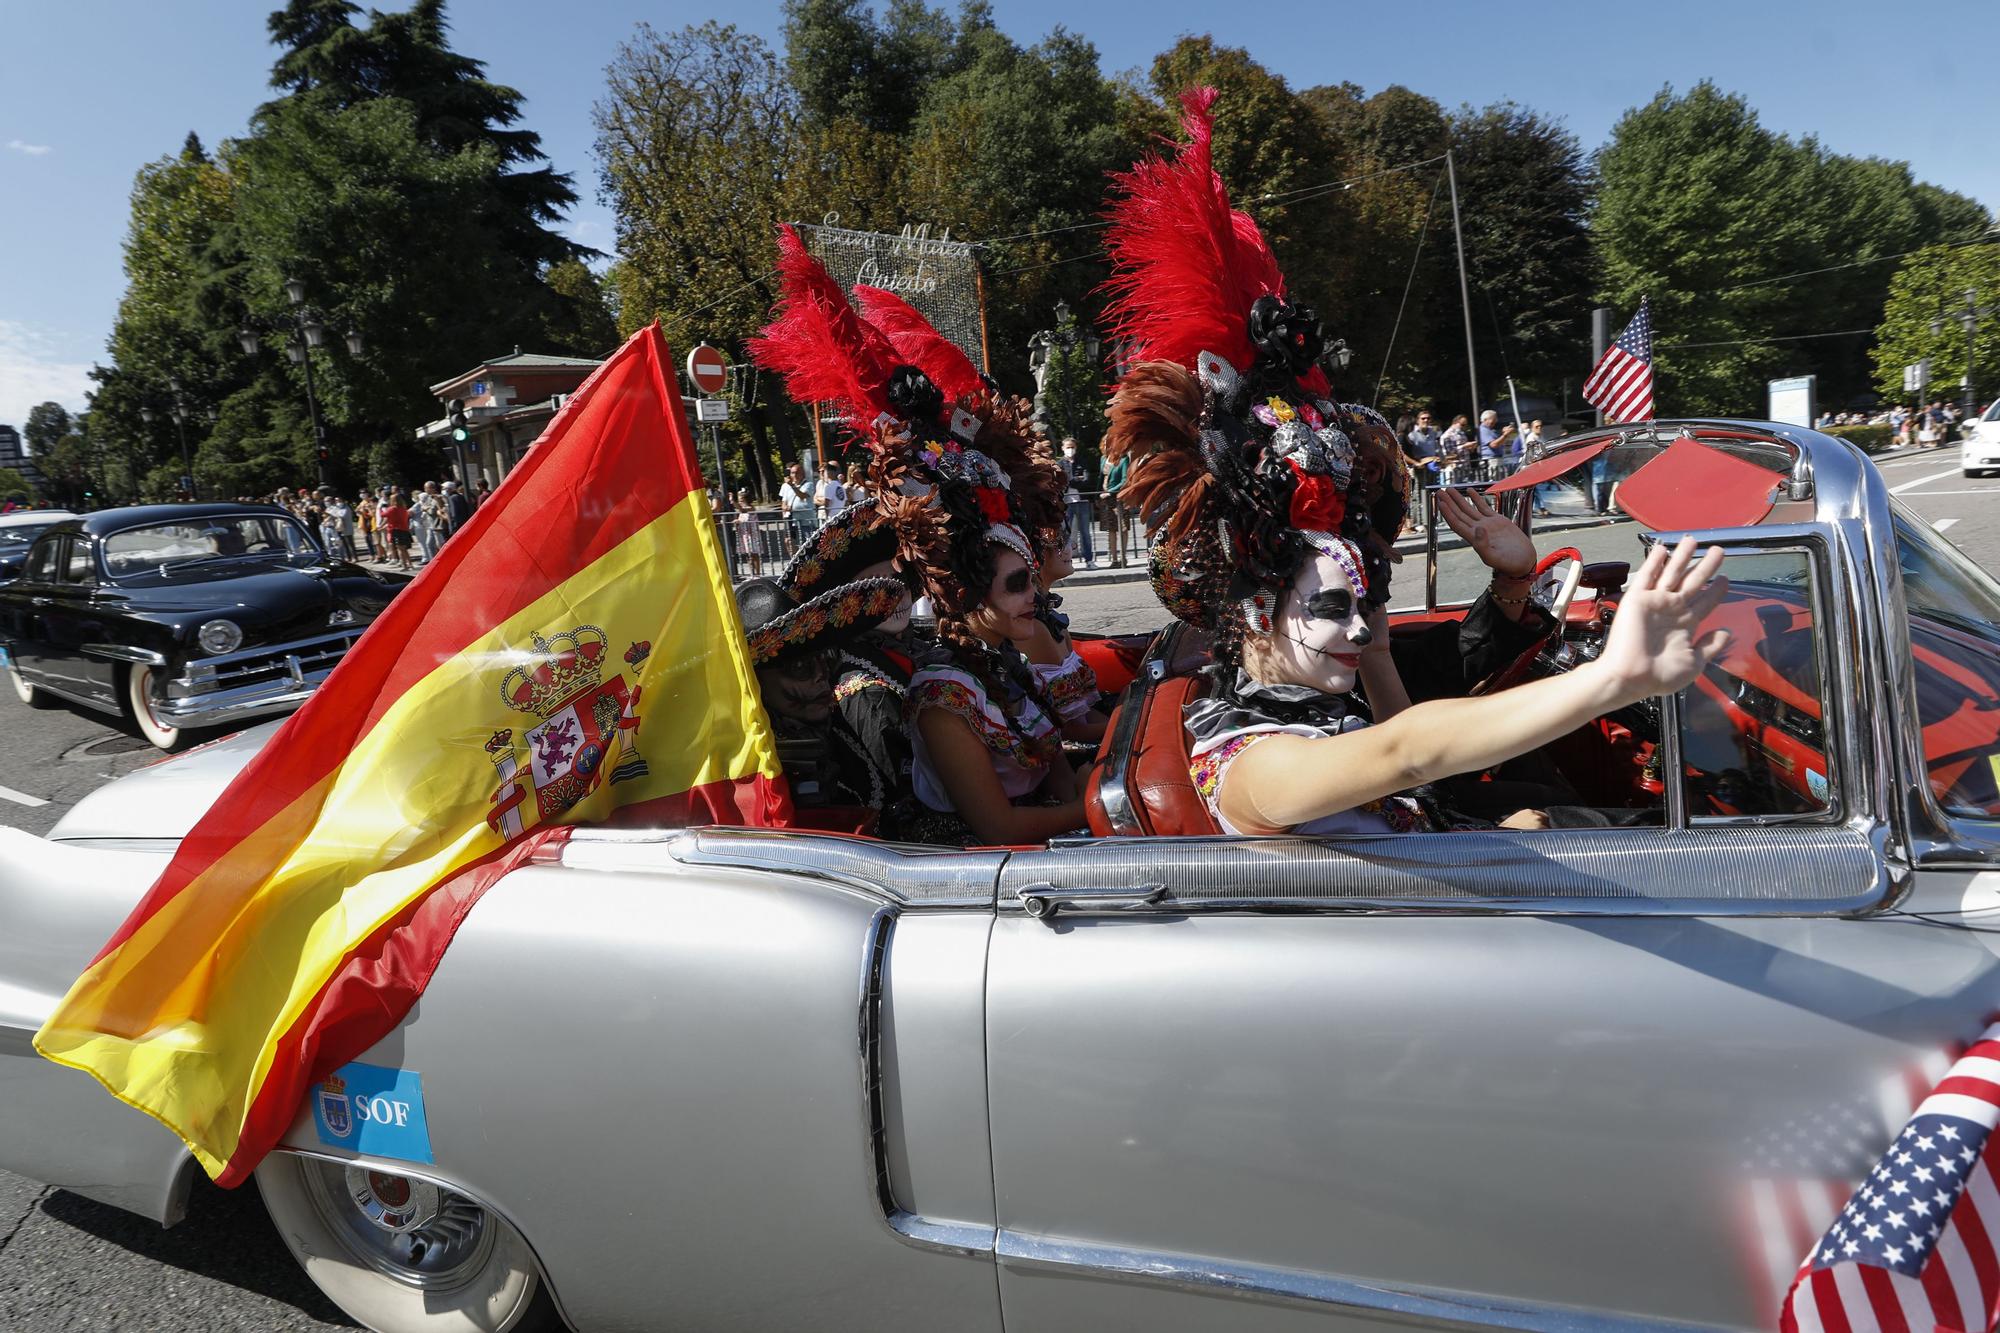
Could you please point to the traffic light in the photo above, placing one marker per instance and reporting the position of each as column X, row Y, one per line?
column 461, row 429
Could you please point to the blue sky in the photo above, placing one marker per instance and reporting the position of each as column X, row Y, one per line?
column 92, row 89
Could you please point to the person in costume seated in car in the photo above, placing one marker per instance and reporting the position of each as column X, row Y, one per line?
column 871, row 674
column 954, row 472
column 1070, row 683
column 1275, row 540
column 793, row 647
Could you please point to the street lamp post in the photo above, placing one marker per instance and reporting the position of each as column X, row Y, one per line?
column 307, row 331
column 1966, row 317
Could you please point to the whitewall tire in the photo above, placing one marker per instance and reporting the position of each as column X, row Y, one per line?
column 444, row 1264
column 143, row 709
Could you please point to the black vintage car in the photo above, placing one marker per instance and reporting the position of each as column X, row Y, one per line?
column 182, row 616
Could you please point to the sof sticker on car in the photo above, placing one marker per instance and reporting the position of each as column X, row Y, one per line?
column 375, row 1111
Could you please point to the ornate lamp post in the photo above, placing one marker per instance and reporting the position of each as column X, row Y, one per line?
column 307, row 331
column 179, row 413
column 1966, row 317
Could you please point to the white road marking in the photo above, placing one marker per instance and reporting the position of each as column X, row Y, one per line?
column 1944, row 523
column 1956, row 490
column 1920, row 481
column 20, row 796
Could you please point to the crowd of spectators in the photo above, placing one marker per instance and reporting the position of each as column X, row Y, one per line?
column 391, row 525
column 1926, row 426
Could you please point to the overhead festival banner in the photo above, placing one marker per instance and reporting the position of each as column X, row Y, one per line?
column 926, row 267
column 573, row 655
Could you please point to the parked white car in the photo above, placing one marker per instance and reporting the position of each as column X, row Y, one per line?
column 1981, row 449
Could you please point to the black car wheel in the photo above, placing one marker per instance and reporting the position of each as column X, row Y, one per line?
column 27, row 693
column 143, row 708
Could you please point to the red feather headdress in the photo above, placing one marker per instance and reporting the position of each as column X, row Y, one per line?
column 1186, row 267
column 825, row 352
column 920, row 344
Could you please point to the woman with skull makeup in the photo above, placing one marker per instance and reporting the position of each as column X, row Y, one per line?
column 1275, row 533
column 957, row 480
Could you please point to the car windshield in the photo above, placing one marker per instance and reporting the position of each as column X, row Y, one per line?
column 163, row 546
column 21, row 534
column 1954, row 611
column 1993, row 412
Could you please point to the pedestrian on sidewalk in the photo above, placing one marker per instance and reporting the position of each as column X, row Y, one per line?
column 427, row 521
column 1117, row 522
column 331, row 529
column 1077, row 472
column 457, row 509
column 749, row 542
column 396, row 525
column 797, row 498
column 365, row 525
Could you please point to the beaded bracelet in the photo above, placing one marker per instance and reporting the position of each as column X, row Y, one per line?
column 1498, row 600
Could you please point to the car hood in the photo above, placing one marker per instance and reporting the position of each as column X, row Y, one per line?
column 272, row 601
column 161, row 802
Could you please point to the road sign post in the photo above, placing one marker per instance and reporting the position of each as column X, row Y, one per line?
column 708, row 369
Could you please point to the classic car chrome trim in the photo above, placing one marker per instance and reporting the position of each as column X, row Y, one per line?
column 1043, row 901
column 1318, row 1291
column 1735, row 871
column 962, row 1238
column 118, row 652
column 905, row 874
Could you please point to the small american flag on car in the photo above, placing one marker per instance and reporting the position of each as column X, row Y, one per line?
column 1621, row 384
column 1917, row 1245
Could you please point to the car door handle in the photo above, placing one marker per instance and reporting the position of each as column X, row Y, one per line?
column 1043, row 901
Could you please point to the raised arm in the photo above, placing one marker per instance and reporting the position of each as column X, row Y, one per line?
column 1285, row 781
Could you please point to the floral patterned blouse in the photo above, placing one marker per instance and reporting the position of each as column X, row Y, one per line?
column 1071, row 686
column 1020, row 768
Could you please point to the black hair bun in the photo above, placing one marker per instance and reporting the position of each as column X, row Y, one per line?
column 1285, row 335
column 916, row 399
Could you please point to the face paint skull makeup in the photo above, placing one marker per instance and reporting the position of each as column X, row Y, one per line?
column 1320, row 628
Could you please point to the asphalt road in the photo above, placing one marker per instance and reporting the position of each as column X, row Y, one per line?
column 68, row 1263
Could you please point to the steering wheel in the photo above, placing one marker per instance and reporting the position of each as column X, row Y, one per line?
column 1553, row 591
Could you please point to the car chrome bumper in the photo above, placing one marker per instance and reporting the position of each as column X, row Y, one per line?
column 212, row 691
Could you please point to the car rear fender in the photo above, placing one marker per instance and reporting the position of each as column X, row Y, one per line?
column 58, row 905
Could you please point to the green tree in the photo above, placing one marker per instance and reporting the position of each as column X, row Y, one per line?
column 1751, row 245
column 391, row 177
column 1928, row 287
column 47, row 423
column 1525, row 190
column 1072, row 401
column 15, row 487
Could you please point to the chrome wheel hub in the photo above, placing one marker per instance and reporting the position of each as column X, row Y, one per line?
column 408, row 1229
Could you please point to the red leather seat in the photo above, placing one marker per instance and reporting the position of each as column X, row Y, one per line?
column 1141, row 785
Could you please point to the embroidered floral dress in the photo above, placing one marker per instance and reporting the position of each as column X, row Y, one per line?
column 1070, row 684
column 1220, row 729
column 1021, row 753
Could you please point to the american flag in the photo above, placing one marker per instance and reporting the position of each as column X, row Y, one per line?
column 1621, row 385
column 1917, row 1246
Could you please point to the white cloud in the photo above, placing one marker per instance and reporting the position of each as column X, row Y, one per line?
column 31, row 149
column 31, row 372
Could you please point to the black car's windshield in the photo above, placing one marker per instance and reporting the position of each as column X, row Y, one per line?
column 166, row 546
column 19, row 535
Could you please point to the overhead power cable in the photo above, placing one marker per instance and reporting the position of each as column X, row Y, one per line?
column 1787, row 338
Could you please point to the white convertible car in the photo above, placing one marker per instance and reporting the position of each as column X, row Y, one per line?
column 1157, row 1078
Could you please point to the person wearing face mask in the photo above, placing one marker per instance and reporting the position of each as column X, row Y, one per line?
column 955, row 475
column 871, row 670
column 1260, row 488
column 793, row 647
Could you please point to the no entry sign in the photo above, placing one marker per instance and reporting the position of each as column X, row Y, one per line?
column 708, row 368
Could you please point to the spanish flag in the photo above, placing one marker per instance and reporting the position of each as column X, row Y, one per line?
column 574, row 651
